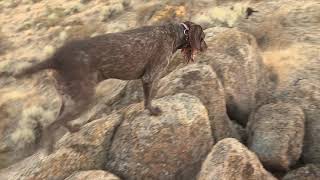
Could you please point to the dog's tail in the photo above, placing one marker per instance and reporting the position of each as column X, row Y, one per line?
column 46, row 64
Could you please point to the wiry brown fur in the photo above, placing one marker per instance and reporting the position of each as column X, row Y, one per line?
column 141, row 53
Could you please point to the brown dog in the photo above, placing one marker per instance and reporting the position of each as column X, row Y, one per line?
column 141, row 53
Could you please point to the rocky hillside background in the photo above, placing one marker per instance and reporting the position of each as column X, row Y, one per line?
column 248, row 109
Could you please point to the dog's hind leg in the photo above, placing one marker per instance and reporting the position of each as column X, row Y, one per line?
column 76, row 97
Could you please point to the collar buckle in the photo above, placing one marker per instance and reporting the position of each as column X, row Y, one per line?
column 186, row 28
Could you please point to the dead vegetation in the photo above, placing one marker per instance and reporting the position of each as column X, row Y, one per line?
column 4, row 43
column 282, row 26
column 282, row 61
column 84, row 31
column 156, row 13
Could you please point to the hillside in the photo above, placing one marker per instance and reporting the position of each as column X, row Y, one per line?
column 248, row 108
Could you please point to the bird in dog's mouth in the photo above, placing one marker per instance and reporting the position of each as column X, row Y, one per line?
column 189, row 54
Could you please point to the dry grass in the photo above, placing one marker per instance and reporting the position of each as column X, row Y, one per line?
column 13, row 93
column 269, row 32
column 83, row 31
column 12, row 67
column 169, row 12
column 10, row 103
column 31, row 119
column 54, row 17
column 145, row 13
column 157, row 13
column 111, row 11
column 279, row 26
column 221, row 2
column 20, row 127
column 228, row 15
column 283, row 61
column 24, row 111
column 225, row 15
column 4, row 43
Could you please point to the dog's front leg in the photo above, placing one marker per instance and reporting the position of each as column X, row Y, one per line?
column 147, row 90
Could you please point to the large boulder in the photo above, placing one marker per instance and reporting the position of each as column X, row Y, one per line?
column 297, row 71
column 236, row 59
column 83, row 150
column 276, row 133
column 229, row 159
column 169, row 146
column 201, row 81
column 92, row 174
column 307, row 172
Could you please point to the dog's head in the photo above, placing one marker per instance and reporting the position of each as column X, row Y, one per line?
column 195, row 38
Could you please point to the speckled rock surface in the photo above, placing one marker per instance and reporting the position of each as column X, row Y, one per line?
column 236, row 59
column 308, row 172
column 93, row 174
column 229, row 159
column 276, row 133
column 170, row 146
column 202, row 82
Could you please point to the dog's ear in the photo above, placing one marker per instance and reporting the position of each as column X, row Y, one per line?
column 195, row 35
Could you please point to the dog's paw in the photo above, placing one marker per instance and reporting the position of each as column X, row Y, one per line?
column 155, row 111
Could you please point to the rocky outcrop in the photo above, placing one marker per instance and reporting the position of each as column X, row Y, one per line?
column 93, row 174
column 202, row 82
column 276, row 133
column 84, row 150
column 308, row 172
column 265, row 67
column 229, row 159
column 170, row 146
column 289, row 36
column 296, row 72
column 236, row 59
